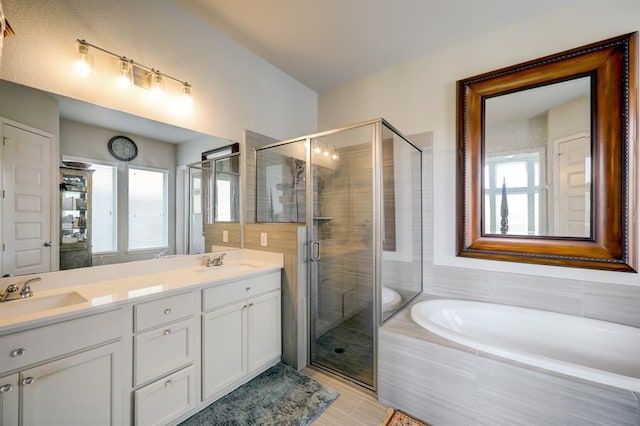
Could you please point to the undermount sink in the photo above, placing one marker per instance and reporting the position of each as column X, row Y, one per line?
column 232, row 268
column 33, row 304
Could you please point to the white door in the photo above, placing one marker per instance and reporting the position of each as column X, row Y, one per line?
column 263, row 325
column 82, row 389
column 573, row 187
column 26, row 206
column 223, row 348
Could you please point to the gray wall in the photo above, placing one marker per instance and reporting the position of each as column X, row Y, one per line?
column 29, row 106
column 90, row 142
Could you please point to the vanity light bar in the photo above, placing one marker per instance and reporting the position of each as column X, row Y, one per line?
column 137, row 73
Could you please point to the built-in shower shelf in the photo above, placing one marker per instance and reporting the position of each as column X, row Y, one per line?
column 323, row 218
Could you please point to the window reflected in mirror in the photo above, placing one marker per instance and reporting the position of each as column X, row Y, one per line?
column 537, row 161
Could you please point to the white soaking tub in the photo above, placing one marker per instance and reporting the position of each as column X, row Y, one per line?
column 589, row 349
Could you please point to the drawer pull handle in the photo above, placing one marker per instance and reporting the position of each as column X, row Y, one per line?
column 18, row 352
column 251, row 304
column 168, row 382
column 168, row 311
column 247, row 289
column 28, row 381
column 244, row 307
column 6, row 388
column 167, row 332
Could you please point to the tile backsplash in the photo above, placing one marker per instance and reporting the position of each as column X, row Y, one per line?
column 604, row 301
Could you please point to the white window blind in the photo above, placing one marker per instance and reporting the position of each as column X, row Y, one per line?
column 148, row 209
column 104, row 220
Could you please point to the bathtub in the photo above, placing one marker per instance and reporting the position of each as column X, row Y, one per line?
column 588, row 349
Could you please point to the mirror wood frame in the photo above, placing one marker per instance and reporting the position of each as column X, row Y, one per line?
column 612, row 65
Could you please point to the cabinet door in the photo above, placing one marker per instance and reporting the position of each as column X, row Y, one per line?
column 157, row 352
column 223, row 348
column 82, row 389
column 263, row 325
column 9, row 400
column 166, row 399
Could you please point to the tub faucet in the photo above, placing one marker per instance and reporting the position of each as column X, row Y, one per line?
column 13, row 291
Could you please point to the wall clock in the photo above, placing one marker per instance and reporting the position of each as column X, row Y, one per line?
column 122, row 148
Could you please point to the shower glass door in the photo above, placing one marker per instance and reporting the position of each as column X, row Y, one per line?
column 342, row 253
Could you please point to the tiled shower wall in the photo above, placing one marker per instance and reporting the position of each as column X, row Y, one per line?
column 404, row 275
column 346, row 278
column 599, row 300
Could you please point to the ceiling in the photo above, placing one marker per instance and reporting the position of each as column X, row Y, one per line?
column 326, row 43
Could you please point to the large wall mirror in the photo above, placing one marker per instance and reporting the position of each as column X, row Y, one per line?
column 546, row 159
column 123, row 193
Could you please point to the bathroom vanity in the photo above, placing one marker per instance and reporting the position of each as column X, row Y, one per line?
column 152, row 342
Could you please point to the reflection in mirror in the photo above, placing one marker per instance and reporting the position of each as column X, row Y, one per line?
column 214, row 207
column 226, row 188
column 80, row 133
column 537, row 161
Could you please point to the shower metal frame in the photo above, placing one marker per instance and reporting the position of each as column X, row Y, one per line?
column 378, row 227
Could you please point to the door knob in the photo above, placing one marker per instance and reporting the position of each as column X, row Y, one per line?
column 48, row 243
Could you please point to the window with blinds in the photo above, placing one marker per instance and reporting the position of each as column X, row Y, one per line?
column 148, row 209
column 104, row 208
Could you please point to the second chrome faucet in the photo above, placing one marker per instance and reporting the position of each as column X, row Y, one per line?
column 215, row 261
column 13, row 291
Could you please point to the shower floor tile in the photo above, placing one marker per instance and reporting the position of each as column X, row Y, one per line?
column 348, row 348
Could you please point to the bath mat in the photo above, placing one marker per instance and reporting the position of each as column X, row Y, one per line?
column 398, row 418
column 280, row 396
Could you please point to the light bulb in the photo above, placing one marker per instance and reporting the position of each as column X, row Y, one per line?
column 155, row 85
column 317, row 149
column 325, row 153
column 125, row 73
column 186, row 101
column 334, row 156
column 84, row 61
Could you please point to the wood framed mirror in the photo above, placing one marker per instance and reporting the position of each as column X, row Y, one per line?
column 546, row 168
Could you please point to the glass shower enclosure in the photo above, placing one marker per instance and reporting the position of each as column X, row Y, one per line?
column 358, row 190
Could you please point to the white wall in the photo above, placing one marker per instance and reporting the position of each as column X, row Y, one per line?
column 420, row 95
column 233, row 88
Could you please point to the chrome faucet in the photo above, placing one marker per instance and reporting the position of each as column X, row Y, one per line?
column 216, row 261
column 14, row 292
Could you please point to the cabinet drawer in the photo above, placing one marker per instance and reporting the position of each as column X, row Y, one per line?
column 163, row 311
column 36, row 345
column 228, row 293
column 159, row 351
column 166, row 399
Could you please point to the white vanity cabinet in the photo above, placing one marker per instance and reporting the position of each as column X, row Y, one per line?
column 240, row 331
column 67, row 373
column 163, row 356
column 9, row 393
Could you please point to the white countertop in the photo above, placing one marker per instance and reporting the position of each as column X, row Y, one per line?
column 106, row 287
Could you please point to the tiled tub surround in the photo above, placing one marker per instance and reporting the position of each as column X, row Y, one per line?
column 445, row 383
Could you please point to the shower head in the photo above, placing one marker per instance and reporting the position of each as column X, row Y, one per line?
column 298, row 169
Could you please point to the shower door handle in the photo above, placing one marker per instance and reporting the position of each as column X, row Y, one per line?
column 315, row 251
